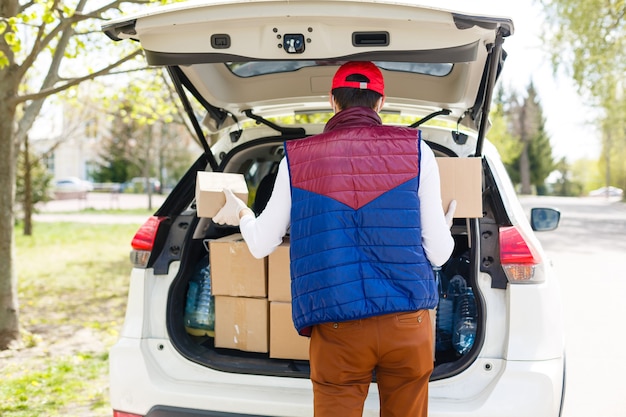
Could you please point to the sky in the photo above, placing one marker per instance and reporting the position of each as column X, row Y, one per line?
column 569, row 121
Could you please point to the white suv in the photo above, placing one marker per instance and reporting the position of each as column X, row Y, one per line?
column 262, row 71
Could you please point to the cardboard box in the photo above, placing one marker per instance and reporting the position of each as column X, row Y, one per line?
column 210, row 191
column 234, row 271
column 278, row 274
column 241, row 323
column 285, row 342
column 461, row 180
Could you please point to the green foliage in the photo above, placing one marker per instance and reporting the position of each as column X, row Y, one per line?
column 500, row 135
column 588, row 39
column 117, row 163
column 540, row 155
column 588, row 174
column 148, row 133
column 526, row 125
column 41, row 179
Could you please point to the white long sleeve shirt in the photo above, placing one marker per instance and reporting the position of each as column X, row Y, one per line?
column 264, row 233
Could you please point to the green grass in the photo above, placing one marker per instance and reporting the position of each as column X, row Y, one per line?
column 68, row 386
column 72, row 286
column 137, row 211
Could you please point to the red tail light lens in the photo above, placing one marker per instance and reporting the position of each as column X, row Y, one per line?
column 519, row 259
column 143, row 242
column 123, row 414
column 144, row 238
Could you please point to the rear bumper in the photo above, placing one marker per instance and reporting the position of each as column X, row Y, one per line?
column 521, row 389
column 150, row 378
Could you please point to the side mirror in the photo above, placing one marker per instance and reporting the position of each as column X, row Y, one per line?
column 544, row 219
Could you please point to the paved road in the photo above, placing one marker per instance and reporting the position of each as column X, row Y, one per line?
column 588, row 252
column 71, row 209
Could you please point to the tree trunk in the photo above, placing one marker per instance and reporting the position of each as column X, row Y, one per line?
column 28, row 191
column 524, row 166
column 147, row 166
column 524, row 162
column 9, row 314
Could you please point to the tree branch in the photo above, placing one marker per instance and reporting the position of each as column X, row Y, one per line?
column 25, row 6
column 75, row 81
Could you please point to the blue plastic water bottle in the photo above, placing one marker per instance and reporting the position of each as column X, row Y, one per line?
column 464, row 332
column 200, row 307
column 444, row 316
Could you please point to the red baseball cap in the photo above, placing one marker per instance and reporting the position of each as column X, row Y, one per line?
column 367, row 69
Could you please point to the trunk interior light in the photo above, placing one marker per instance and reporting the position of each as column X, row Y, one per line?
column 519, row 259
column 143, row 242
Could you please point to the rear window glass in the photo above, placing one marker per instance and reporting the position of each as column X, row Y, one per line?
column 256, row 68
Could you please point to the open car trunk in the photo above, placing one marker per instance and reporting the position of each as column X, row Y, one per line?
column 256, row 160
column 235, row 59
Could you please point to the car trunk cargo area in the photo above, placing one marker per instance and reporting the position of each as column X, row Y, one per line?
column 249, row 329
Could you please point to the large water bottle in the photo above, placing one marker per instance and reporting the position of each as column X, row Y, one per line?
column 200, row 307
column 464, row 332
column 445, row 314
column 457, row 287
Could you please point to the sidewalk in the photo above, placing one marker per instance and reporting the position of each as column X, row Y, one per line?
column 71, row 210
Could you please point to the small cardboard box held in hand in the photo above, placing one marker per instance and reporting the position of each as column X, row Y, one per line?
column 461, row 180
column 210, row 191
column 234, row 271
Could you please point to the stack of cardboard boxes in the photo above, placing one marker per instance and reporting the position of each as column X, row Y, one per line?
column 253, row 296
column 285, row 342
column 252, row 312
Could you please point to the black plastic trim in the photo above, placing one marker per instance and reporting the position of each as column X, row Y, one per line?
column 494, row 216
column 463, row 53
column 114, row 30
column 168, row 411
column 370, row 39
column 463, row 22
column 480, row 110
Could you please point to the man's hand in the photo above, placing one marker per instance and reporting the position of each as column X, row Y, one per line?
column 229, row 214
column 450, row 213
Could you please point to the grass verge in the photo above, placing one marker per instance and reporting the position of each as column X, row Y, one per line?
column 72, row 285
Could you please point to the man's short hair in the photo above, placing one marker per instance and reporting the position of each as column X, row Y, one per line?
column 347, row 97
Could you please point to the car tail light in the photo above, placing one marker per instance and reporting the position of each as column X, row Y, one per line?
column 123, row 414
column 520, row 260
column 143, row 242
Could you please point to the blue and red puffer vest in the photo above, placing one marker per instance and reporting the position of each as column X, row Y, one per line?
column 356, row 246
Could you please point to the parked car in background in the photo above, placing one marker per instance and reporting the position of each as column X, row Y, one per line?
column 262, row 70
column 71, row 187
column 607, row 192
column 139, row 185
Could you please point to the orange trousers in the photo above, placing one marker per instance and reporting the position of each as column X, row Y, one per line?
column 343, row 356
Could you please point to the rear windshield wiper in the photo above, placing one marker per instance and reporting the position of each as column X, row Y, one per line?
column 423, row 120
column 284, row 131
